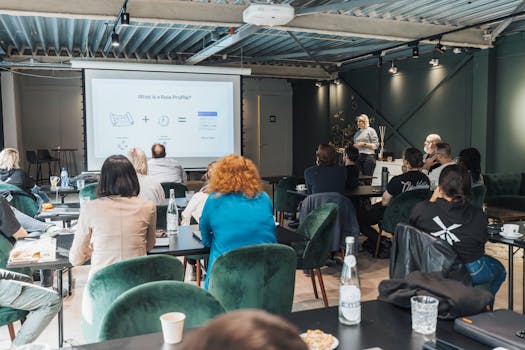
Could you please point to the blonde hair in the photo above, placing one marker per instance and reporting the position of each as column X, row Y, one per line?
column 235, row 174
column 137, row 157
column 364, row 117
column 9, row 159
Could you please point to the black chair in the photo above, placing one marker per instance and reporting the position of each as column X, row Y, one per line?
column 32, row 159
column 45, row 157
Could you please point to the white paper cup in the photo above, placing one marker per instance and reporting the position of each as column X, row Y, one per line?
column 424, row 314
column 172, row 327
column 510, row 229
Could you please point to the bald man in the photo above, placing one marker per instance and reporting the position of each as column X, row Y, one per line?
column 429, row 158
column 164, row 169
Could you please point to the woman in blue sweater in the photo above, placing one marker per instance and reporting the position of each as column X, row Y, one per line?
column 237, row 213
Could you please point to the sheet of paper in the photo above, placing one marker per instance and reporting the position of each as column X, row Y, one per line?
column 162, row 241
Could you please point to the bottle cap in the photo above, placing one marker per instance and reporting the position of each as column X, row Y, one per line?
column 350, row 261
column 349, row 239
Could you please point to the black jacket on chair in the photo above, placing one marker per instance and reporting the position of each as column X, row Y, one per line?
column 415, row 250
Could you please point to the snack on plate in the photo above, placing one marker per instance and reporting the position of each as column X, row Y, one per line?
column 47, row 206
column 318, row 340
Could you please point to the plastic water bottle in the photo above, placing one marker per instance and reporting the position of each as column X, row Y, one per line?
column 172, row 215
column 64, row 178
column 349, row 292
column 384, row 178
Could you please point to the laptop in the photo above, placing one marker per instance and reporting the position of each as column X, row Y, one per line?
column 499, row 328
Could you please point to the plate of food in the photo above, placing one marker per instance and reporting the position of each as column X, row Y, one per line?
column 33, row 251
column 316, row 339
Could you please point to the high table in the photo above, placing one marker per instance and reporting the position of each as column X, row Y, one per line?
column 60, row 191
column 382, row 325
column 513, row 245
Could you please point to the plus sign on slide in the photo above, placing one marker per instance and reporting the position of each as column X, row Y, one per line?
column 145, row 119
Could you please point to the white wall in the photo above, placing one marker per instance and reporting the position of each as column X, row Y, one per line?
column 11, row 112
column 51, row 112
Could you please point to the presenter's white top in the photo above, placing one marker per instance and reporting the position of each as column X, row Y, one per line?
column 166, row 170
column 151, row 189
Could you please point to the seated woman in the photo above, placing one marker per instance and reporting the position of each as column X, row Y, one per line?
column 118, row 224
column 149, row 187
column 237, row 213
column 326, row 175
column 196, row 204
column 470, row 159
column 449, row 216
column 11, row 173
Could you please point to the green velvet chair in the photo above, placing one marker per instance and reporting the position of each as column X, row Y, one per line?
column 317, row 228
column 89, row 191
column 398, row 210
column 137, row 311
column 260, row 276
column 107, row 284
column 21, row 200
column 180, row 189
column 285, row 201
column 8, row 316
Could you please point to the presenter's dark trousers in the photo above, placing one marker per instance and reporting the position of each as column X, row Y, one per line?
column 366, row 163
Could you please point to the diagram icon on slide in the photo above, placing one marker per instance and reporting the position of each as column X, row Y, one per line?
column 164, row 120
column 121, row 120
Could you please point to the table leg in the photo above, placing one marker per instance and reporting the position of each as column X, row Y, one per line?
column 511, row 278
column 523, row 280
column 70, row 280
column 60, row 312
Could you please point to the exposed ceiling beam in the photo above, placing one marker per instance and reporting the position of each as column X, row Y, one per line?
column 503, row 25
column 344, row 5
column 223, row 43
column 198, row 13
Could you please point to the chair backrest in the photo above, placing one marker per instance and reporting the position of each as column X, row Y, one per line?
column 477, row 195
column 180, row 189
column 107, row 284
column 89, row 190
column 137, row 311
column 161, row 216
column 345, row 222
column 285, row 201
column 44, row 155
column 261, row 276
column 415, row 250
column 318, row 227
column 21, row 200
column 399, row 208
column 31, row 157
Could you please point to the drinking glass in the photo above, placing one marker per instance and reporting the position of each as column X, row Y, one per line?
column 424, row 314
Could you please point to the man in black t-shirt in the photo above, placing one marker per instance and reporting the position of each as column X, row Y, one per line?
column 412, row 179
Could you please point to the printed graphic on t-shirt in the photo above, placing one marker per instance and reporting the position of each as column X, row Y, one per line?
column 410, row 186
column 445, row 233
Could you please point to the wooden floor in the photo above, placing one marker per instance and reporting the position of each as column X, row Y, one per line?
column 371, row 271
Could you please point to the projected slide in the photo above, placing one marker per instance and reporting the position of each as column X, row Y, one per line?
column 195, row 119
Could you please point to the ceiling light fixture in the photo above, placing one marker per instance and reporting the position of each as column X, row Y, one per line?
column 124, row 18
column 392, row 69
column 337, row 81
column 434, row 62
column 114, row 39
column 318, row 83
column 415, row 52
column 440, row 48
column 457, row 50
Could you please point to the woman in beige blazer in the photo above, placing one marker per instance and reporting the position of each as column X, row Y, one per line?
column 118, row 224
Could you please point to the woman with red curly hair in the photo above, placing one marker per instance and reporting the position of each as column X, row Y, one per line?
column 237, row 213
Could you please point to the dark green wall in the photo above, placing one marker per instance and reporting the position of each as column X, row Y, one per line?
column 474, row 99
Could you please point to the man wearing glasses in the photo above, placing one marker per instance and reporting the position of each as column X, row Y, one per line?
column 443, row 157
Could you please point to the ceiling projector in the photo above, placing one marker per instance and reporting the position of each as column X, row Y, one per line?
column 268, row 14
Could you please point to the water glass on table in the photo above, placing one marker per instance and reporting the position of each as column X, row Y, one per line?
column 424, row 314
column 189, row 195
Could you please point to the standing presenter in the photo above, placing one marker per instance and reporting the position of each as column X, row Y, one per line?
column 366, row 141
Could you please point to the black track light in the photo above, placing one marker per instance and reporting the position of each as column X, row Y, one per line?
column 439, row 48
column 114, row 39
column 124, row 18
column 415, row 52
